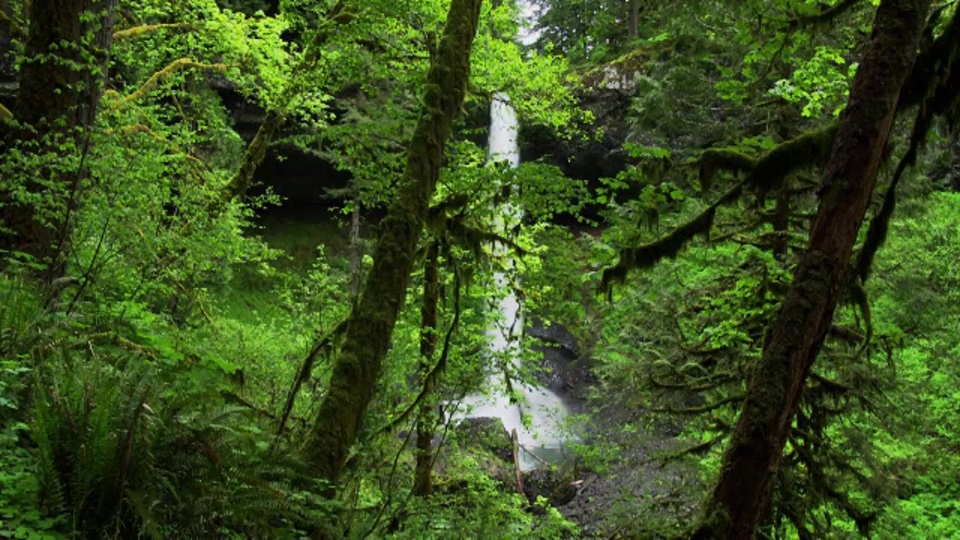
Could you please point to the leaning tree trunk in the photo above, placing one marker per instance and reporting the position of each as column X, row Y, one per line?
column 751, row 462
column 371, row 323
column 426, row 416
column 61, row 81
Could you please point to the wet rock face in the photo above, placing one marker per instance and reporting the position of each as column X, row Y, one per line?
column 600, row 154
column 607, row 93
column 564, row 368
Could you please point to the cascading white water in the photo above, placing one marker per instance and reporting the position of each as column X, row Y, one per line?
column 541, row 434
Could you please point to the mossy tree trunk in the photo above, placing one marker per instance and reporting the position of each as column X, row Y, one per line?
column 753, row 457
column 426, row 416
column 371, row 323
column 61, row 81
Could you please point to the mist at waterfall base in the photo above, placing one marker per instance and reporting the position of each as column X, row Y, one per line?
column 538, row 414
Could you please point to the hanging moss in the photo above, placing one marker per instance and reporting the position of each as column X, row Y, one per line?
column 935, row 73
column 714, row 160
column 811, row 149
column 941, row 98
column 647, row 255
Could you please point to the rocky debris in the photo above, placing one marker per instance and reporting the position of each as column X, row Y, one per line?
column 639, row 494
column 556, row 485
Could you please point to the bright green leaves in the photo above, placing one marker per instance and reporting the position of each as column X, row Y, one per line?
column 258, row 61
column 789, row 56
column 819, row 85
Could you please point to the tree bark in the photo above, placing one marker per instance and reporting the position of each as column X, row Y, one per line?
column 371, row 323
column 426, row 417
column 756, row 448
column 61, row 81
column 633, row 27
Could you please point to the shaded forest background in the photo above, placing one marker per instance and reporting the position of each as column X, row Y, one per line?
column 249, row 250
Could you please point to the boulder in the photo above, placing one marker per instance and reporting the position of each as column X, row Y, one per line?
column 486, row 434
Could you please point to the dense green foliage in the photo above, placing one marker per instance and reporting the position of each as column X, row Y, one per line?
column 164, row 381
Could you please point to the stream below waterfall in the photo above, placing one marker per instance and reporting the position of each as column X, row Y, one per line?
column 537, row 415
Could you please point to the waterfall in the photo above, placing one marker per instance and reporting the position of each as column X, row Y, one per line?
column 542, row 435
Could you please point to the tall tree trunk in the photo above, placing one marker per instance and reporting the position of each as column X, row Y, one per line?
column 61, row 81
column 426, row 416
column 371, row 323
column 356, row 257
column 633, row 26
column 756, row 448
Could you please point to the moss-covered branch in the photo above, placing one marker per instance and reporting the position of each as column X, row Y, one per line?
column 767, row 173
column 5, row 114
column 137, row 31
column 713, row 160
column 702, row 409
column 827, row 14
column 173, row 67
column 252, row 158
column 325, row 344
column 645, row 256
column 763, row 175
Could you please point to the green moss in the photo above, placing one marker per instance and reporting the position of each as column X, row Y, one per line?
column 768, row 173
